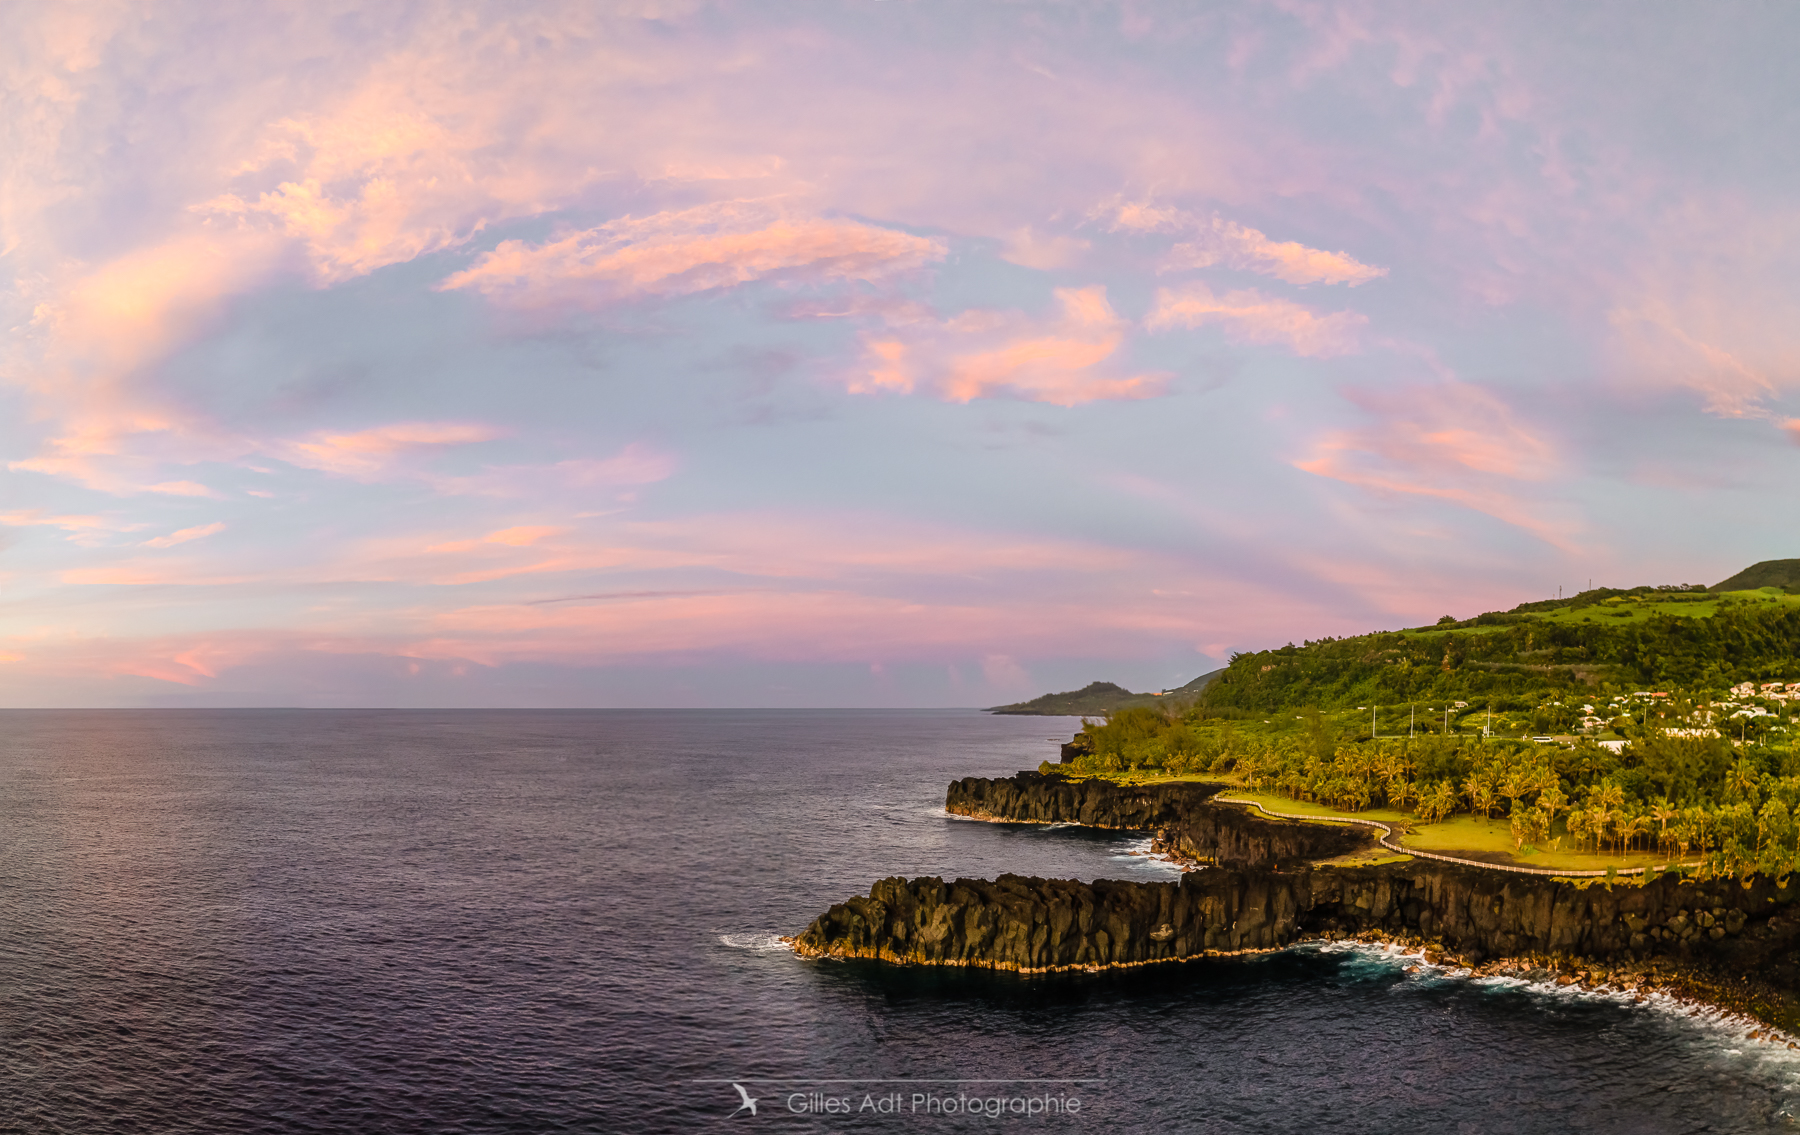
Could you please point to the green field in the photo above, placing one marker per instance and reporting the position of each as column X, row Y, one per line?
column 1461, row 835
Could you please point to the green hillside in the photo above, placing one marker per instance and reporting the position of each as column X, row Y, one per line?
column 1784, row 574
column 1095, row 698
column 1611, row 728
column 1693, row 639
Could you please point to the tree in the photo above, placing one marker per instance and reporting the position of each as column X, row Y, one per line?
column 1551, row 799
column 1439, row 803
column 1480, row 793
column 1520, row 781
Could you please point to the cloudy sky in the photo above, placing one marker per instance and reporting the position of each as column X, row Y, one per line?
column 855, row 353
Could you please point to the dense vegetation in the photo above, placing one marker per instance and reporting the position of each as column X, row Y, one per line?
column 1535, row 653
column 1438, row 721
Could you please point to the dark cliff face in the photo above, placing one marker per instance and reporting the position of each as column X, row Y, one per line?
column 1187, row 824
column 1034, row 925
column 1051, row 798
column 1230, row 835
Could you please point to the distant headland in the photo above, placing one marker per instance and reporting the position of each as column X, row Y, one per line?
column 1105, row 697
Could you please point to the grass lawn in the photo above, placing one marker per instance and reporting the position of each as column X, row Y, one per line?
column 1462, row 834
column 1275, row 802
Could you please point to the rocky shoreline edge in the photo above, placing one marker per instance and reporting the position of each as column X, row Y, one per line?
column 1699, row 940
column 1697, row 991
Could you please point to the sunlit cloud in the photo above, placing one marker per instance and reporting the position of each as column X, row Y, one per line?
column 692, row 250
column 1216, row 241
column 184, row 535
column 87, row 531
column 368, row 454
column 638, row 463
column 1733, row 388
column 1249, row 316
column 1065, row 361
column 1454, row 442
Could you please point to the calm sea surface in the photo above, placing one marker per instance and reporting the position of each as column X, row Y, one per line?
column 275, row 921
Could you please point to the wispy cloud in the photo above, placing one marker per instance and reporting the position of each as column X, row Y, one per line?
column 186, row 534
column 1065, row 360
column 638, row 463
column 1216, row 241
column 1733, row 388
column 371, row 453
column 1454, row 442
column 691, row 250
column 1249, row 316
column 88, row 531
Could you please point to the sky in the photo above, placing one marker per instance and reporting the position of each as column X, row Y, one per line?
column 867, row 352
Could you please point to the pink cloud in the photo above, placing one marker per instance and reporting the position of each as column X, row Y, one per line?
column 692, row 250
column 87, row 531
column 1792, row 426
column 1659, row 345
column 99, row 328
column 1453, row 442
column 371, row 453
column 198, row 532
column 1045, row 251
column 1235, row 246
column 639, row 463
column 1248, row 316
column 1217, row 241
column 1064, row 361
column 766, row 545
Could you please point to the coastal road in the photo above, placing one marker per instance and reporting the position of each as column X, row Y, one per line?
column 1387, row 841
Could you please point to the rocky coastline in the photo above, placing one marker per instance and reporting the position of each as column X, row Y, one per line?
column 1185, row 824
column 1732, row 942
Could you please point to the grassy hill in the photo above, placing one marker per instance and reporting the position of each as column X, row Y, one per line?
column 1784, row 574
column 1644, row 637
column 1093, row 699
column 1099, row 698
column 1610, row 728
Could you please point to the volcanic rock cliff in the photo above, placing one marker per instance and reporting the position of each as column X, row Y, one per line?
column 1037, row 925
column 1186, row 823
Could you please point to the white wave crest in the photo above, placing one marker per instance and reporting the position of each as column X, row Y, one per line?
column 761, row 942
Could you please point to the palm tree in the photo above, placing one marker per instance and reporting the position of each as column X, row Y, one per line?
column 1579, row 825
column 1520, row 781
column 1745, row 779
column 1608, row 801
column 1551, row 799
column 1663, row 811
column 1439, row 803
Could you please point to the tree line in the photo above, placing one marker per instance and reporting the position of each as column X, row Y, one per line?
column 1734, row 808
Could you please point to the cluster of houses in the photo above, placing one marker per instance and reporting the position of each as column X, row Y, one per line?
column 1701, row 720
column 1770, row 691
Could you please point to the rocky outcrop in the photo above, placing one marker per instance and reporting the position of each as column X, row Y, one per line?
column 1187, row 824
column 1050, row 798
column 1077, row 747
column 1038, row 925
column 1231, row 835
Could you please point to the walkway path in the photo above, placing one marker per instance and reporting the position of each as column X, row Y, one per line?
column 1387, row 841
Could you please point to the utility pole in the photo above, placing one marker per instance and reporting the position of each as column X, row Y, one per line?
column 1372, row 730
column 1412, row 715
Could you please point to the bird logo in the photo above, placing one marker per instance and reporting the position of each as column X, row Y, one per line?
column 749, row 1101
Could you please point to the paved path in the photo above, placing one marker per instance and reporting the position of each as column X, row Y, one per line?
column 1387, row 841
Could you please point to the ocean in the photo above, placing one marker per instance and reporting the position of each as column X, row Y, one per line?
column 567, row 921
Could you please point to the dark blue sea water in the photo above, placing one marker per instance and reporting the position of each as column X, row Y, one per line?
column 272, row 921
